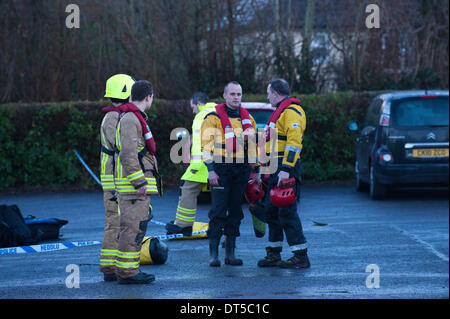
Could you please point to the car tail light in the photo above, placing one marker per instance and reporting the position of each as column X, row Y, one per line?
column 386, row 157
column 428, row 97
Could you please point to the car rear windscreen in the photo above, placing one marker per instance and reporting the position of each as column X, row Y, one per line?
column 420, row 111
column 260, row 116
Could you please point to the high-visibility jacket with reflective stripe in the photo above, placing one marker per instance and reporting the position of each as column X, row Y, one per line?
column 213, row 141
column 133, row 171
column 197, row 171
column 108, row 141
column 290, row 128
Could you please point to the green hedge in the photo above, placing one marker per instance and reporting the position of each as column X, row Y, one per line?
column 37, row 140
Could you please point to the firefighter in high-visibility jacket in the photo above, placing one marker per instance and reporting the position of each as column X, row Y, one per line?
column 118, row 89
column 196, row 176
column 284, row 136
column 229, row 153
column 135, row 178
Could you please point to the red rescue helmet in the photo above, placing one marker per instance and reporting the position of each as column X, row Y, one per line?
column 284, row 195
column 253, row 192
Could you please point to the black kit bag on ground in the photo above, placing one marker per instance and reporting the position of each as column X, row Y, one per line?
column 48, row 227
column 15, row 231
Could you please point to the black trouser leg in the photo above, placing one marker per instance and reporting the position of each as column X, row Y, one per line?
column 284, row 220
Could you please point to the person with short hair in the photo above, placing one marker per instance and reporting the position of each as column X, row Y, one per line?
column 195, row 177
column 288, row 121
column 229, row 157
column 136, row 178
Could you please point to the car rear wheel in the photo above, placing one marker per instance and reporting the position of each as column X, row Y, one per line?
column 377, row 190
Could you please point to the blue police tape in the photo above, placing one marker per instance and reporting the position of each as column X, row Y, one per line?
column 45, row 247
column 175, row 236
column 87, row 167
column 66, row 245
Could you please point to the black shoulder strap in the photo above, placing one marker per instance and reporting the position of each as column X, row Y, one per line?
column 293, row 109
column 212, row 113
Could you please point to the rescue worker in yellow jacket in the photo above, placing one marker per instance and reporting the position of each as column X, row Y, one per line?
column 196, row 176
column 135, row 178
column 229, row 153
column 284, row 138
column 118, row 89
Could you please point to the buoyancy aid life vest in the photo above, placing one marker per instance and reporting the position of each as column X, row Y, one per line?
column 270, row 126
column 111, row 108
column 149, row 140
column 230, row 137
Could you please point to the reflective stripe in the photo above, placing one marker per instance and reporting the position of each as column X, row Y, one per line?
column 124, row 254
column 188, row 210
column 207, row 157
column 272, row 124
column 105, row 158
column 276, row 244
column 196, row 157
column 186, row 214
column 127, row 265
column 136, row 175
column 107, row 181
column 186, row 219
column 148, row 135
column 107, row 262
column 246, row 121
column 131, row 189
column 229, row 135
column 124, row 185
column 109, row 252
column 293, row 149
column 298, row 247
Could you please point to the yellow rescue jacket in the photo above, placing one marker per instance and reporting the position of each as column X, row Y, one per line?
column 290, row 128
column 197, row 171
column 213, row 141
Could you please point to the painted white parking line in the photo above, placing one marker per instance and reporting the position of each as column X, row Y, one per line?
column 427, row 246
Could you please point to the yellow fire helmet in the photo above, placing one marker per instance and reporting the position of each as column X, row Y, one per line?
column 119, row 86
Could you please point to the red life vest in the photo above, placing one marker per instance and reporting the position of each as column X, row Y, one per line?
column 270, row 126
column 111, row 108
column 230, row 137
column 149, row 141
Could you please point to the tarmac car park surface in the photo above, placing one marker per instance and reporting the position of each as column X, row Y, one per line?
column 352, row 240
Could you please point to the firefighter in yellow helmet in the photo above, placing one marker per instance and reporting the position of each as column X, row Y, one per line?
column 196, row 175
column 118, row 90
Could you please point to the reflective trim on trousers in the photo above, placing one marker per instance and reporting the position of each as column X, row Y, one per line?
column 298, row 247
column 122, row 254
column 120, row 264
column 276, row 244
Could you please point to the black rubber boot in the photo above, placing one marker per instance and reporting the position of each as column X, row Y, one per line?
column 299, row 260
column 230, row 246
column 272, row 258
column 109, row 277
column 175, row 229
column 214, row 251
column 140, row 278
